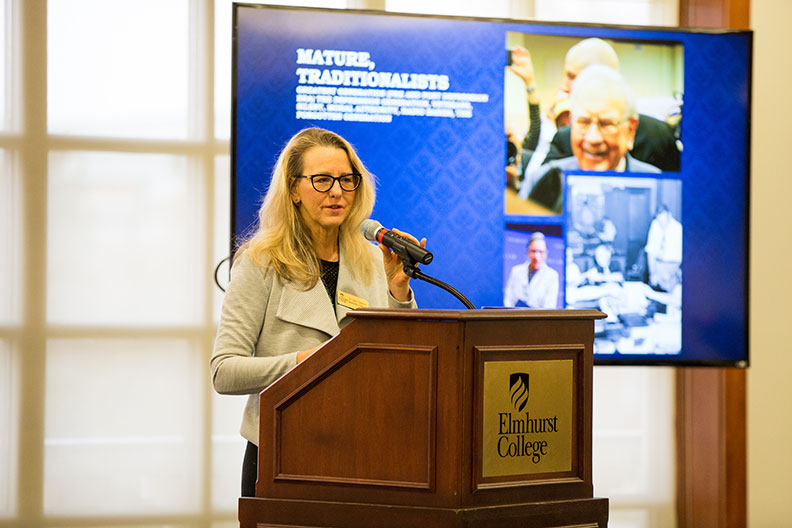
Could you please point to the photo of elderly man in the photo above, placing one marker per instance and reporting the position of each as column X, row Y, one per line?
column 628, row 110
column 655, row 140
column 604, row 121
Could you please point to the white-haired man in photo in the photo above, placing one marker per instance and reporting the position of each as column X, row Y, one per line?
column 604, row 121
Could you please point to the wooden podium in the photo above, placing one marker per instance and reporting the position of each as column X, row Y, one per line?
column 432, row 418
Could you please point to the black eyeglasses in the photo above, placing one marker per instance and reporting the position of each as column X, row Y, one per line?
column 325, row 182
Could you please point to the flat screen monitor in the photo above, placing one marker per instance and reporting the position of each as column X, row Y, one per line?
column 548, row 165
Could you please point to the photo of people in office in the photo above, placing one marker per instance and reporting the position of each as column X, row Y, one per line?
column 532, row 264
column 624, row 257
column 587, row 104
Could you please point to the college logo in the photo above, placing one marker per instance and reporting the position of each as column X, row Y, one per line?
column 518, row 387
column 526, row 430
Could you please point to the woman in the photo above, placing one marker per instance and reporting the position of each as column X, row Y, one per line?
column 295, row 279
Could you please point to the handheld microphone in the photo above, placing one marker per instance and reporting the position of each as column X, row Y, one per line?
column 405, row 248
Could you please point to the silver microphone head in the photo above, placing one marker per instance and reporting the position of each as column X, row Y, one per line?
column 370, row 228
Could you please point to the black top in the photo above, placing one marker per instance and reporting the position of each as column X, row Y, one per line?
column 330, row 278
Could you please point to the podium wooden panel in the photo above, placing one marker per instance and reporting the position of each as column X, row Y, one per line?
column 386, row 425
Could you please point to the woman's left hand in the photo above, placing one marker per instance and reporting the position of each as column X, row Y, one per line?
column 398, row 281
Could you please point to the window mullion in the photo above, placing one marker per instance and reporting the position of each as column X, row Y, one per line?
column 202, row 102
column 31, row 348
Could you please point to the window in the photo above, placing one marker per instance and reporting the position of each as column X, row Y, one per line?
column 222, row 227
column 3, row 66
column 122, row 240
column 121, row 433
column 106, row 286
column 633, row 445
column 119, row 312
column 118, row 69
column 9, row 403
column 10, row 243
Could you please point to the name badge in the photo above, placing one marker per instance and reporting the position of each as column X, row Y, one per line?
column 351, row 301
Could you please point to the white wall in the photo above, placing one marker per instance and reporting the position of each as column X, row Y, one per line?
column 769, row 384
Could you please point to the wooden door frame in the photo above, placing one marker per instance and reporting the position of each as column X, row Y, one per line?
column 711, row 403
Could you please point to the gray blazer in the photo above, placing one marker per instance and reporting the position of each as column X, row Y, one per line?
column 265, row 321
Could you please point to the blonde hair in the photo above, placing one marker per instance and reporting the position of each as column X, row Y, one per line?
column 282, row 236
